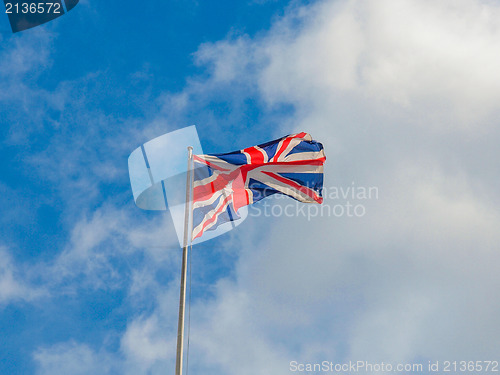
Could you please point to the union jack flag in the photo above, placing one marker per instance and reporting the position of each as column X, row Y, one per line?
column 223, row 183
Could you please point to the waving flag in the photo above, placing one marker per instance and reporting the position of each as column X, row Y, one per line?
column 223, row 183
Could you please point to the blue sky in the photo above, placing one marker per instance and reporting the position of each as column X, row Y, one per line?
column 402, row 93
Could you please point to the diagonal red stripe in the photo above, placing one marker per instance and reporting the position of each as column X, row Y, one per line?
column 309, row 192
column 214, row 217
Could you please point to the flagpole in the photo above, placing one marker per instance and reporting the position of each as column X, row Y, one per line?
column 182, row 298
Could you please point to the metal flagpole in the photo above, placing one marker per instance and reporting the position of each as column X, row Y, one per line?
column 182, row 299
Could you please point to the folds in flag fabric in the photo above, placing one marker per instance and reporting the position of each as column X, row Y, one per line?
column 223, row 183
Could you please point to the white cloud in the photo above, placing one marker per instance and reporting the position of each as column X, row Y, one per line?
column 149, row 344
column 101, row 245
column 230, row 336
column 23, row 58
column 74, row 358
column 26, row 55
column 402, row 56
column 12, row 284
column 112, row 249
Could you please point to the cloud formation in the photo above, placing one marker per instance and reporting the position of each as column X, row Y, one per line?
column 13, row 281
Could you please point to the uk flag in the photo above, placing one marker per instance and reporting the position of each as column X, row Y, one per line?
column 223, row 183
